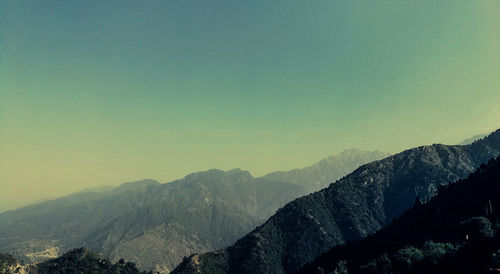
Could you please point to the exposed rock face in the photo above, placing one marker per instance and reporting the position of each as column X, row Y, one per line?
column 352, row 208
column 49, row 253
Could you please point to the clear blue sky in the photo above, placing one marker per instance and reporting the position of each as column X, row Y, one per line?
column 102, row 92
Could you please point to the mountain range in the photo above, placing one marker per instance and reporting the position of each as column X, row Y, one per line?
column 350, row 209
column 155, row 225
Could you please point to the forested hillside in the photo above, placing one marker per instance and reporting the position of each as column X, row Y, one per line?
column 80, row 260
column 457, row 231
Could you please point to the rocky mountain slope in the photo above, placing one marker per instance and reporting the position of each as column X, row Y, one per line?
column 156, row 225
column 350, row 209
column 457, row 231
column 203, row 211
column 147, row 222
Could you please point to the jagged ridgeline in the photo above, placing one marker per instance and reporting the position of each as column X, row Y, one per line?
column 156, row 225
column 350, row 209
column 457, row 231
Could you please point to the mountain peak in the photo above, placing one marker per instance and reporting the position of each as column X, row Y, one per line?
column 239, row 172
column 214, row 172
column 142, row 184
column 328, row 170
column 352, row 158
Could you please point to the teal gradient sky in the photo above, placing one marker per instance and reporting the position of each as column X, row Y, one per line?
column 102, row 92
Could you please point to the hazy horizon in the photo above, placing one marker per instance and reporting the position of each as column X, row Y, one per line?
column 101, row 187
column 100, row 93
column 37, row 200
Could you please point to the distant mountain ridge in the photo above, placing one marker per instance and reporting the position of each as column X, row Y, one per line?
column 472, row 139
column 150, row 223
column 350, row 209
column 156, row 225
column 320, row 174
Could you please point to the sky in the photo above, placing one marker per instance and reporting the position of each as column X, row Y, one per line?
column 97, row 93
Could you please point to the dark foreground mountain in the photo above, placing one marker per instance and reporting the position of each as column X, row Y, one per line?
column 457, row 231
column 156, row 225
column 80, row 260
column 7, row 262
column 350, row 209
